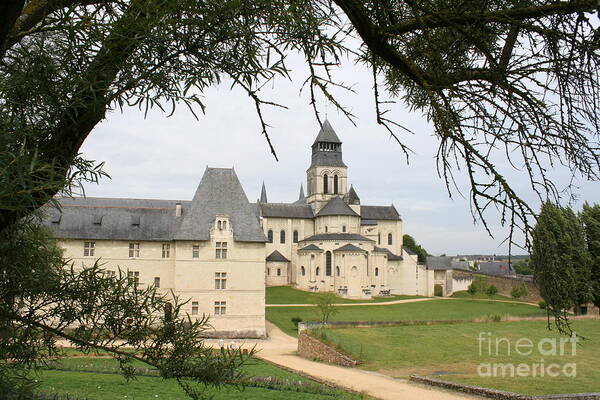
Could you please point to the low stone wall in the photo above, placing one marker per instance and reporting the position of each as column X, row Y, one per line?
column 499, row 394
column 504, row 284
column 314, row 349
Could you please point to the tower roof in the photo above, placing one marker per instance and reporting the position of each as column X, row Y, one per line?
column 336, row 206
column 263, row 194
column 327, row 134
column 351, row 197
column 301, row 196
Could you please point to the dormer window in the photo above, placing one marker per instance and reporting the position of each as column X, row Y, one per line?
column 97, row 219
column 56, row 218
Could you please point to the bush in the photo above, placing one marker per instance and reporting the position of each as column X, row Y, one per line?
column 542, row 304
column 491, row 291
column 480, row 284
column 472, row 290
column 495, row 318
column 296, row 321
column 519, row 291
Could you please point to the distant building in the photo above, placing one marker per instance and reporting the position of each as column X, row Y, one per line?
column 449, row 275
column 496, row 268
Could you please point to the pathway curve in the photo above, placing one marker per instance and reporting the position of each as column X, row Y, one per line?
column 280, row 349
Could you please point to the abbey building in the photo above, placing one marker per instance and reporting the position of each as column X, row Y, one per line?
column 220, row 251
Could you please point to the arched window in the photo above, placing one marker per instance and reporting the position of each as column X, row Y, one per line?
column 328, row 263
column 278, row 271
column 317, row 271
column 335, row 184
column 295, row 236
column 337, row 271
column 389, row 239
column 282, row 237
column 302, row 270
column 376, row 271
column 219, row 225
column 224, row 224
column 325, row 183
column 270, row 236
column 343, row 228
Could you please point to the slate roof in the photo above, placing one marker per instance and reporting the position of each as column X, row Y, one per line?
column 391, row 256
column 495, row 268
column 220, row 192
column 327, row 134
column 445, row 262
column 409, row 251
column 277, row 256
column 350, row 247
column 263, row 194
column 311, row 247
column 119, row 219
column 368, row 222
column 337, row 236
column 286, row 210
column 336, row 206
column 301, row 196
column 379, row 212
column 351, row 197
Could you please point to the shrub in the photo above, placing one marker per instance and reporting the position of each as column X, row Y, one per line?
column 495, row 317
column 542, row 304
column 519, row 291
column 296, row 321
column 472, row 290
column 491, row 291
column 480, row 284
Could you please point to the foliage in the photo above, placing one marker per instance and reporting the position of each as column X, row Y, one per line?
column 519, row 291
column 491, row 291
column 560, row 262
column 326, row 307
column 542, row 304
column 522, row 267
column 590, row 217
column 296, row 321
column 472, row 290
column 410, row 243
column 480, row 283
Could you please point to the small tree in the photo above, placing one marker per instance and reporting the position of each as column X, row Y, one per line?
column 519, row 291
column 590, row 217
column 491, row 291
column 472, row 290
column 327, row 307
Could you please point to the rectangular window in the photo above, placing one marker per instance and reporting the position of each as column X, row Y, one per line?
column 194, row 308
column 220, row 307
column 195, row 251
column 220, row 280
column 88, row 249
column 134, row 250
column 134, row 277
column 166, row 250
column 221, row 250
column 157, row 282
column 110, row 274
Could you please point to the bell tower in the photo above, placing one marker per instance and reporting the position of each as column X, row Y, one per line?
column 327, row 175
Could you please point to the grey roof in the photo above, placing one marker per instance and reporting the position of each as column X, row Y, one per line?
column 350, row 247
column 327, row 134
column 368, row 222
column 119, row 219
column 301, row 196
column 263, row 194
column 445, row 262
column 495, row 268
column 351, row 197
column 391, row 256
column 220, row 192
column 286, row 210
column 336, row 206
column 337, row 236
column 409, row 251
column 277, row 256
column 311, row 247
column 379, row 212
column 327, row 159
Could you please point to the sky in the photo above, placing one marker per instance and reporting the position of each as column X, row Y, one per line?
column 160, row 157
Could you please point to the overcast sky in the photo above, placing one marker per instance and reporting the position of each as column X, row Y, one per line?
column 164, row 158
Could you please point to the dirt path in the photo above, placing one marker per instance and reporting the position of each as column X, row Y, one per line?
column 280, row 349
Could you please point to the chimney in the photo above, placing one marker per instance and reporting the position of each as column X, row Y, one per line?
column 178, row 209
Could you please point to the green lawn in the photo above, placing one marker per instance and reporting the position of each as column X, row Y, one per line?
column 84, row 380
column 289, row 295
column 463, row 294
column 452, row 352
column 425, row 310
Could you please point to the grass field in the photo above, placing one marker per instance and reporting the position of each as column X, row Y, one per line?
column 288, row 295
column 81, row 377
column 429, row 310
column 452, row 352
column 463, row 294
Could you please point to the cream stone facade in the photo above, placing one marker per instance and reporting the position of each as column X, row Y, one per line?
column 327, row 241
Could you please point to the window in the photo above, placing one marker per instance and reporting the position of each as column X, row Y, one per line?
column 220, row 307
column 195, row 251
column 278, row 271
column 224, row 224
column 166, row 250
column 295, row 236
column 376, row 271
column 343, row 228
column 220, row 280
column 270, row 236
column 194, row 308
column 134, row 250
column 157, row 282
column 219, row 225
column 221, row 250
column 303, row 271
column 317, row 271
column 325, row 228
column 379, row 238
column 133, row 277
column 389, row 239
column 328, row 263
column 337, row 271
column 282, row 237
column 88, row 249
column 268, row 271
column 325, row 183
column 335, row 184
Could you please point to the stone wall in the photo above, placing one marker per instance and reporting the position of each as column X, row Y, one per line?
column 505, row 285
column 312, row 348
